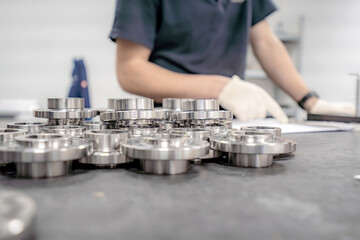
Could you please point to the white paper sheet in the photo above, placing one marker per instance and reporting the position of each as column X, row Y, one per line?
column 297, row 127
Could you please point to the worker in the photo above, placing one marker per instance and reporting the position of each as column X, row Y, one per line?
column 197, row 49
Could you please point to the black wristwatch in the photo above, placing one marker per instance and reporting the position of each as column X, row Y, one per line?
column 306, row 97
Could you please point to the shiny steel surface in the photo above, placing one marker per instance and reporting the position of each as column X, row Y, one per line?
column 158, row 154
column 29, row 127
column 252, row 148
column 17, row 215
column 43, row 170
column 138, row 131
column 71, row 131
column 273, row 130
column 165, row 126
column 202, row 115
column 201, row 105
column 131, row 104
column 8, row 134
column 65, row 103
column 174, row 103
column 92, row 125
column 128, row 115
column 106, row 147
column 196, row 133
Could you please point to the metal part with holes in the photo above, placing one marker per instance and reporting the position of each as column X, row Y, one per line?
column 46, row 154
column 29, row 127
column 106, row 147
column 7, row 139
column 131, row 104
column 199, row 134
column 17, row 215
column 251, row 149
column 200, row 105
column 174, row 104
column 164, row 153
column 71, row 131
column 65, row 111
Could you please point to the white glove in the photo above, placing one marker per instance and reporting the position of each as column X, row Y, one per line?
column 248, row 101
column 328, row 108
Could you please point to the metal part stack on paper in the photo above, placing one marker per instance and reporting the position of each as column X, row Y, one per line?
column 134, row 134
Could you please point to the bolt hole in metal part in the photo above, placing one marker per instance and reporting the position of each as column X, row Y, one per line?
column 164, row 153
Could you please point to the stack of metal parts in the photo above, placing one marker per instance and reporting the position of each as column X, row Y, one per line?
column 155, row 140
column 65, row 111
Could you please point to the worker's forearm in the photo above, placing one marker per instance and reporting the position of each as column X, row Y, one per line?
column 278, row 65
column 148, row 79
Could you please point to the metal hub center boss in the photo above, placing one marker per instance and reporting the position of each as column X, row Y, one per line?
column 161, row 140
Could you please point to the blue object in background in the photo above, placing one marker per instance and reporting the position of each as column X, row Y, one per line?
column 79, row 86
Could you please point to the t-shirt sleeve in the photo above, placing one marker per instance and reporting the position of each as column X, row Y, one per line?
column 261, row 9
column 135, row 20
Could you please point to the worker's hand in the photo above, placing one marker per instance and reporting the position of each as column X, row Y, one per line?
column 332, row 108
column 248, row 101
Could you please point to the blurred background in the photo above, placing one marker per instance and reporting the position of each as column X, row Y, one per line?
column 39, row 39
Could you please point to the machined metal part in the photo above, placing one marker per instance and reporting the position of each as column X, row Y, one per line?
column 174, row 103
column 200, row 134
column 202, row 115
column 137, row 131
column 200, row 105
column 7, row 139
column 71, row 131
column 215, row 128
column 65, row 111
column 275, row 131
column 251, row 149
column 227, row 123
column 92, row 125
column 164, row 153
column 165, row 126
column 106, row 147
column 9, row 134
column 128, row 115
column 29, row 127
column 17, row 215
column 131, row 104
column 45, row 155
column 66, row 103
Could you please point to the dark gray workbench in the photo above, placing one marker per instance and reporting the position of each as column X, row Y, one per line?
column 311, row 196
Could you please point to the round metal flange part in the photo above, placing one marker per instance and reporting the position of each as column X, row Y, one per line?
column 273, row 130
column 165, row 126
column 46, row 154
column 65, row 111
column 164, row 153
column 251, row 149
column 200, row 105
column 106, row 147
column 17, row 215
column 131, row 104
column 7, row 139
column 174, row 104
column 200, row 134
column 29, row 127
column 71, row 131
column 138, row 131
column 201, row 118
column 131, row 117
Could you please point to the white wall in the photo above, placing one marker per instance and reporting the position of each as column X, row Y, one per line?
column 39, row 38
column 331, row 43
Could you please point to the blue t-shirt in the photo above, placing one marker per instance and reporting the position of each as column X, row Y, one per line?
column 192, row 36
